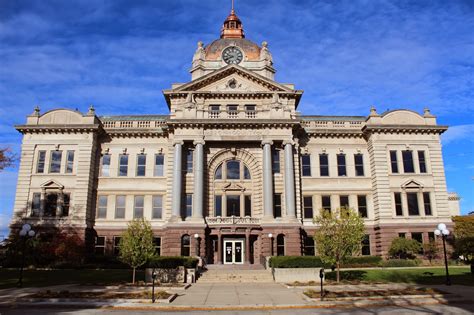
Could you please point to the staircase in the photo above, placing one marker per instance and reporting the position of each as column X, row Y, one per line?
column 236, row 274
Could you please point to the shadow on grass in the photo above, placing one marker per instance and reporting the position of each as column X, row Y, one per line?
column 348, row 275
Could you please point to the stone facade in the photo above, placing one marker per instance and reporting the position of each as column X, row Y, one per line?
column 234, row 172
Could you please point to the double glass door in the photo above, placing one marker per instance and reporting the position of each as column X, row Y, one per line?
column 233, row 251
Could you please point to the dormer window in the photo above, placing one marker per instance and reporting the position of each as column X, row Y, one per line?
column 214, row 111
column 250, row 111
column 232, row 111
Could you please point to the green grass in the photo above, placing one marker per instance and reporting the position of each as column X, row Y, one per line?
column 44, row 278
column 459, row 275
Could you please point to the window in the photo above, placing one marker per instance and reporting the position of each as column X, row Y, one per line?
column 326, row 203
column 277, row 205
column 157, row 207
column 159, row 165
column 157, row 244
column 100, row 245
column 233, row 169
column 418, row 236
column 359, row 164
column 276, row 161
column 55, row 163
column 308, row 207
column 138, row 207
column 41, row 161
column 214, row 111
column 120, row 207
column 431, row 236
column 308, row 249
column 248, row 205
column 427, row 203
column 51, row 204
column 189, row 205
column 408, row 166
column 105, row 171
column 344, row 201
column 394, row 162
column 36, row 205
column 323, row 165
column 246, row 172
column 233, row 205
column 412, row 199
column 70, row 162
column 402, row 235
column 123, row 165
column 232, row 111
column 362, row 205
column 102, row 207
column 219, row 172
column 218, row 206
column 65, row 205
column 422, row 161
column 250, row 111
column 365, row 250
column 141, row 164
column 117, row 245
column 341, row 165
column 398, row 204
column 189, row 161
column 306, row 165
column 281, row 245
column 185, row 245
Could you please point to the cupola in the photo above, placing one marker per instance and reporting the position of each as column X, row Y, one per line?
column 232, row 27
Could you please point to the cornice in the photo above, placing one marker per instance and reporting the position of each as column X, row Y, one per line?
column 58, row 128
column 334, row 133
column 397, row 129
column 234, row 123
column 125, row 133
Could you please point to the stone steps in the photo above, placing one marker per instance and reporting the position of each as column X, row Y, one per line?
column 236, row 276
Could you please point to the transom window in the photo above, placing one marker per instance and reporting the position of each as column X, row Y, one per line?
column 232, row 169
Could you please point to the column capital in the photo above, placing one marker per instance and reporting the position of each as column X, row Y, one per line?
column 267, row 141
column 285, row 142
column 199, row 141
column 175, row 142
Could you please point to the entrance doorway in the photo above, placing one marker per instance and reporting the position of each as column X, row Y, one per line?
column 233, row 251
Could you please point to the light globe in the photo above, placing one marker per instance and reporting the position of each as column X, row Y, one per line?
column 441, row 226
column 270, row 235
column 31, row 233
column 23, row 233
column 26, row 227
column 196, row 235
column 437, row 232
column 445, row 232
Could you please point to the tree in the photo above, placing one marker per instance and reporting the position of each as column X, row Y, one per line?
column 7, row 158
column 403, row 248
column 464, row 238
column 339, row 235
column 136, row 245
column 431, row 250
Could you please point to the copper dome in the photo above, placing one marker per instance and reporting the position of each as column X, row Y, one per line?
column 250, row 49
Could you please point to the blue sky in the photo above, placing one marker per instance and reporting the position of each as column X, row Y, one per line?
column 345, row 55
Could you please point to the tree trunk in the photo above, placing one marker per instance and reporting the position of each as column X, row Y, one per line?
column 133, row 277
column 337, row 271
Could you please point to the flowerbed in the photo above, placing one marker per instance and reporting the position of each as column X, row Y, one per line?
column 146, row 294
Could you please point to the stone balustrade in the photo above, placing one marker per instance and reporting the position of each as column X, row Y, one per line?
column 232, row 220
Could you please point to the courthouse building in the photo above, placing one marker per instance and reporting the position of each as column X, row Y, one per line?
column 234, row 171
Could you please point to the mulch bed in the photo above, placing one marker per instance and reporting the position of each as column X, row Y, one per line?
column 330, row 282
column 373, row 293
column 98, row 295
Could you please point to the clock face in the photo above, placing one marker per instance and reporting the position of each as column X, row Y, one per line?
column 232, row 55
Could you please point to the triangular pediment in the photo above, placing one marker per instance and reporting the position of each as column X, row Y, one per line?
column 52, row 184
column 233, row 187
column 412, row 184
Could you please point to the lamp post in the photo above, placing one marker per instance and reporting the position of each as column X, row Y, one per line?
column 270, row 236
column 198, row 247
column 153, row 277
column 444, row 232
column 25, row 233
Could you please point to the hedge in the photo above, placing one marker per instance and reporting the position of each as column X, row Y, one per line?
column 170, row 262
column 315, row 262
column 362, row 261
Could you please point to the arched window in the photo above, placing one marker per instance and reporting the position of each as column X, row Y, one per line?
column 246, row 172
column 219, row 172
column 281, row 245
column 232, row 169
column 185, row 245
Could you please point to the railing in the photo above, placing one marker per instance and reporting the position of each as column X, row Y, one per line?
column 232, row 114
column 233, row 220
column 133, row 124
column 333, row 124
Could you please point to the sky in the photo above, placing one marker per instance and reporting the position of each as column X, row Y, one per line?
column 346, row 55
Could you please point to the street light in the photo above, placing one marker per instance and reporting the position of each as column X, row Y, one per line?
column 153, row 277
column 198, row 247
column 270, row 236
column 444, row 232
column 25, row 233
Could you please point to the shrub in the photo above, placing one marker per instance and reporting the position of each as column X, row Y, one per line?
column 403, row 248
column 171, row 262
column 315, row 262
column 401, row 263
column 362, row 261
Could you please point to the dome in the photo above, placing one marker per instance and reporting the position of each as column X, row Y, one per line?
column 250, row 49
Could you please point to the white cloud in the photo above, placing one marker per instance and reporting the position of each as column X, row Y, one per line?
column 457, row 133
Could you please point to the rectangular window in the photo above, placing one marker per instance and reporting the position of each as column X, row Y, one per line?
column 100, row 245
column 102, row 207
column 189, row 205
column 276, row 161
column 422, row 161
column 306, row 165
column 159, row 165
column 218, row 206
column 157, row 244
column 308, row 246
column 394, row 162
column 105, row 170
column 402, row 235
column 248, row 206
column 365, row 250
column 157, row 207
column 308, row 207
column 51, row 205
column 398, row 204
column 138, row 207
column 214, row 111
column 70, row 162
column 117, row 245
column 232, row 111
column 326, row 203
column 233, row 205
column 123, row 165
column 408, row 166
column 359, row 164
column 41, row 161
column 36, row 205
column 344, row 201
column 323, row 165
column 341, row 165
column 55, row 163
column 362, row 205
column 418, row 236
column 141, row 164
column 189, row 161
column 427, row 203
column 277, row 205
column 250, row 111
column 120, row 207
column 65, row 205
column 412, row 199
column 431, row 236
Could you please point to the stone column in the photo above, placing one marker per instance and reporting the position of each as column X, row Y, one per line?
column 198, row 180
column 177, row 179
column 219, row 248
column 267, row 179
column 289, row 180
column 247, row 247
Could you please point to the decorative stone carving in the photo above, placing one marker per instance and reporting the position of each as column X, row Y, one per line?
column 200, row 53
column 265, row 54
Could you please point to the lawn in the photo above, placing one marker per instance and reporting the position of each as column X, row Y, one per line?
column 459, row 275
column 44, row 278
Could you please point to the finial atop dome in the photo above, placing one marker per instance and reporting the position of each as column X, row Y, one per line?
column 232, row 27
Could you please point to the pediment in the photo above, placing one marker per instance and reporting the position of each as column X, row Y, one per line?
column 412, row 184
column 52, row 184
column 233, row 187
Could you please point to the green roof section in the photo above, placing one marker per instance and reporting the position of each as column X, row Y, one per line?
column 134, row 118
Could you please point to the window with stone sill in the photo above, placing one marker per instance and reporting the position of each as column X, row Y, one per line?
column 308, row 246
column 41, row 162
column 214, row 111
column 100, row 245
column 362, row 205
column 250, row 111
column 70, row 162
column 117, row 245
column 102, row 207
column 323, row 165
column 157, row 207
column 157, row 244
column 138, row 207
column 280, row 245
column 159, row 165
column 326, row 203
column 408, row 165
column 36, row 205
column 412, row 200
column 141, row 165
column 308, row 207
column 185, row 245
column 341, row 165
column 55, row 162
column 105, row 168
column 123, row 165
column 365, row 250
column 394, row 162
column 306, row 165
column 359, row 164
column 232, row 111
